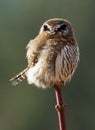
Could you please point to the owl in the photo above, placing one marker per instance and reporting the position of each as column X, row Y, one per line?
column 52, row 56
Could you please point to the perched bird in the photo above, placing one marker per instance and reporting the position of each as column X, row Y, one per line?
column 52, row 56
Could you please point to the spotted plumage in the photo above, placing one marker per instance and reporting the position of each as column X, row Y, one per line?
column 52, row 56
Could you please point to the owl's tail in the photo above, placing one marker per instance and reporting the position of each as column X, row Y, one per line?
column 18, row 78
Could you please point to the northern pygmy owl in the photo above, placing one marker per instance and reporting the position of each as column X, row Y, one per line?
column 52, row 56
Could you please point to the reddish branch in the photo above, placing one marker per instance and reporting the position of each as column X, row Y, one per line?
column 60, row 107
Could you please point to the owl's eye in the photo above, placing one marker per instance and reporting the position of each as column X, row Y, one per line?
column 46, row 28
column 62, row 28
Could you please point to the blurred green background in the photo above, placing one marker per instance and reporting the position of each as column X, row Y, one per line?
column 27, row 107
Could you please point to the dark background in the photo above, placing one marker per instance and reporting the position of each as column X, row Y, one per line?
column 27, row 107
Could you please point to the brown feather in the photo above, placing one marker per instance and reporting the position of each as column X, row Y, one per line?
column 18, row 78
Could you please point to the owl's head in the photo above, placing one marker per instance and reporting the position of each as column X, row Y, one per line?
column 57, row 27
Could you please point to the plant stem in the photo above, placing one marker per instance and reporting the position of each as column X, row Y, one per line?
column 60, row 107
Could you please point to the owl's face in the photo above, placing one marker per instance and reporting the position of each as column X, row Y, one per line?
column 57, row 27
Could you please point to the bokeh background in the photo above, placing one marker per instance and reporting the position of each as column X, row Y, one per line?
column 27, row 107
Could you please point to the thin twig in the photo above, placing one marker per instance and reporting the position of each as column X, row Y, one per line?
column 60, row 107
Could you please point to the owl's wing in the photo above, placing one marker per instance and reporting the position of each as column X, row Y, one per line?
column 32, row 53
column 46, row 47
column 51, row 50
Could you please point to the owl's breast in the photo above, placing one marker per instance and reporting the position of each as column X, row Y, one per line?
column 54, row 66
column 66, row 63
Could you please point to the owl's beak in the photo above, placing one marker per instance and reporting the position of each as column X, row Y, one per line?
column 52, row 32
